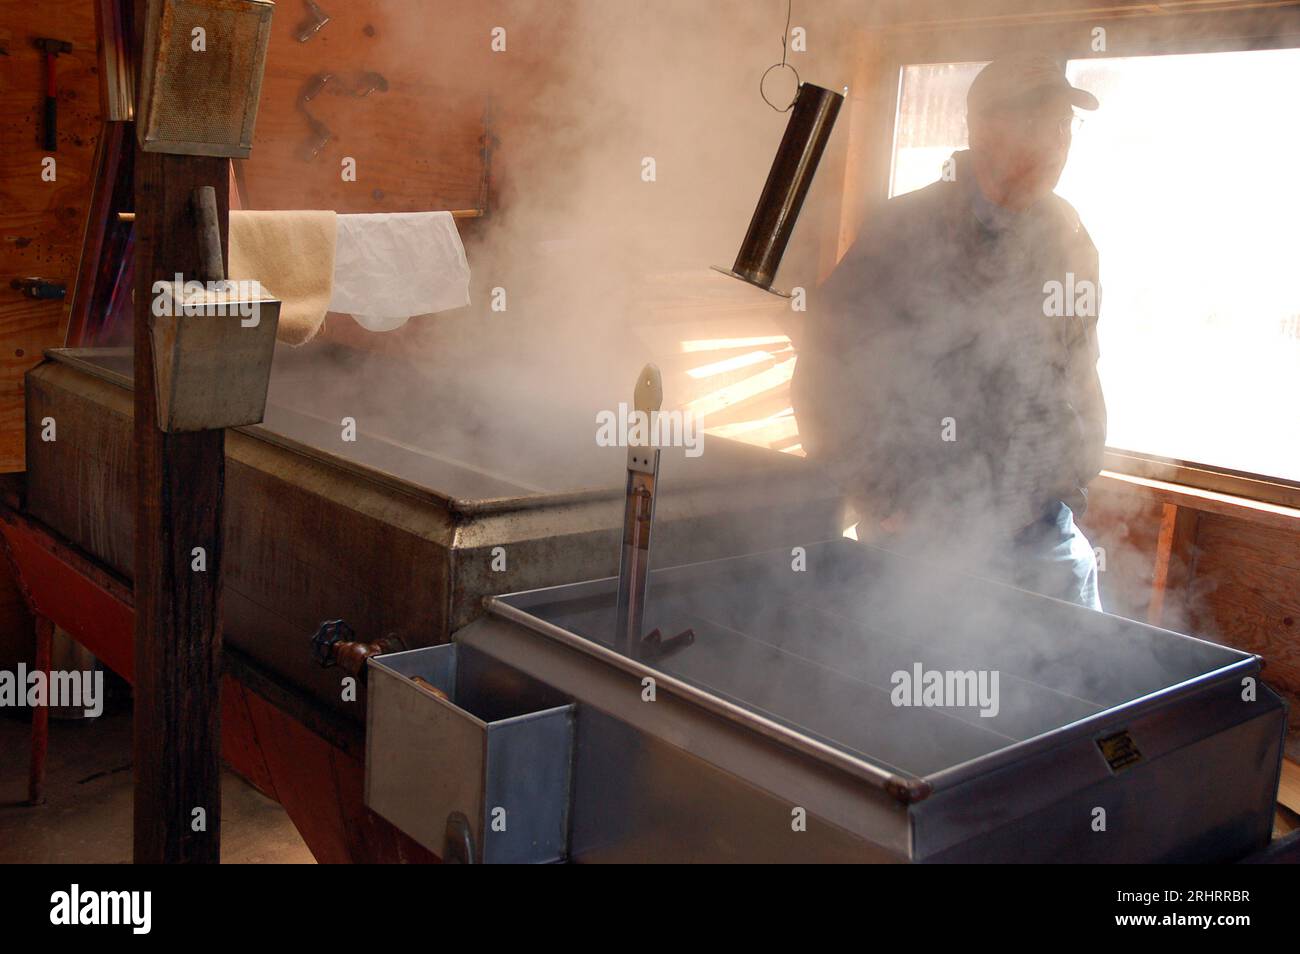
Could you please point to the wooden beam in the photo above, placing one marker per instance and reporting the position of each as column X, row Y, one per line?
column 180, row 479
column 1173, row 566
column 1288, row 791
column 1205, row 501
column 455, row 214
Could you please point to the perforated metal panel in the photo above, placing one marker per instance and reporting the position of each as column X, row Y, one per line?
column 202, row 75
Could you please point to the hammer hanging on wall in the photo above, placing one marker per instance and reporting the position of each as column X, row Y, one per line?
column 51, row 49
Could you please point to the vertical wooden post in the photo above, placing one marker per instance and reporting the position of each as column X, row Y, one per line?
column 1172, row 570
column 41, row 714
column 179, row 484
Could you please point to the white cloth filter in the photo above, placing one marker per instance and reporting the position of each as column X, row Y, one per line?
column 392, row 266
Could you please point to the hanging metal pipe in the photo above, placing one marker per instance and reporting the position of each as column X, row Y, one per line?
column 811, row 121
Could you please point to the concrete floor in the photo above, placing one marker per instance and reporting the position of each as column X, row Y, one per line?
column 86, row 817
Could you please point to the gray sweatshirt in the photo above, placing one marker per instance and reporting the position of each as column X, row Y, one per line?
column 948, row 369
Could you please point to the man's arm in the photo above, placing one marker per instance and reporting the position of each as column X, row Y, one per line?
column 1085, row 382
column 1091, row 403
column 846, row 389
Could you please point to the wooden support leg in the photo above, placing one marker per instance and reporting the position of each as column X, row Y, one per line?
column 41, row 714
column 179, row 482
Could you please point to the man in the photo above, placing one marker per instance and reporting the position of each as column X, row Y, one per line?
column 948, row 378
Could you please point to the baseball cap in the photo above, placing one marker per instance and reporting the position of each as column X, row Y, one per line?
column 1012, row 79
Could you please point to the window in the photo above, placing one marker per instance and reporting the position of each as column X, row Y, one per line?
column 1185, row 178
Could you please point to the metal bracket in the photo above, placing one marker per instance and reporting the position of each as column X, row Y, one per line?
column 320, row 135
column 312, row 22
column 654, row 646
column 40, row 289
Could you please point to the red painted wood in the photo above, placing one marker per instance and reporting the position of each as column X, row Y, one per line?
column 41, row 714
column 371, row 840
column 300, row 763
column 322, row 790
column 239, row 746
column 82, row 607
column 321, row 787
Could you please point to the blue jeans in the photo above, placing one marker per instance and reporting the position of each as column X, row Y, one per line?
column 1054, row 558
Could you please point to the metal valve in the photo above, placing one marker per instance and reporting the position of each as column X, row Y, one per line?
column 335, row 644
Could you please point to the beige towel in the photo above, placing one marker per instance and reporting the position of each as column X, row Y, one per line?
column 292, row 255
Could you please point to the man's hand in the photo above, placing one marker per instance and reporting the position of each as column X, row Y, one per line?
column 893, row 524
column 879, row 531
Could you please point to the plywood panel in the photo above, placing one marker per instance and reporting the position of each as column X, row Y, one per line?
column 41, row 223
column 1244, row 619
column 1238, row 582
column 417, row 138
column 1249, row 585
column 1240, row 540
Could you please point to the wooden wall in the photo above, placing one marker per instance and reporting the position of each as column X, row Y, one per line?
column 1246, row 593
column 416, row 137
column 41, row 223
column 1246, row 588
column 1203, row 563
